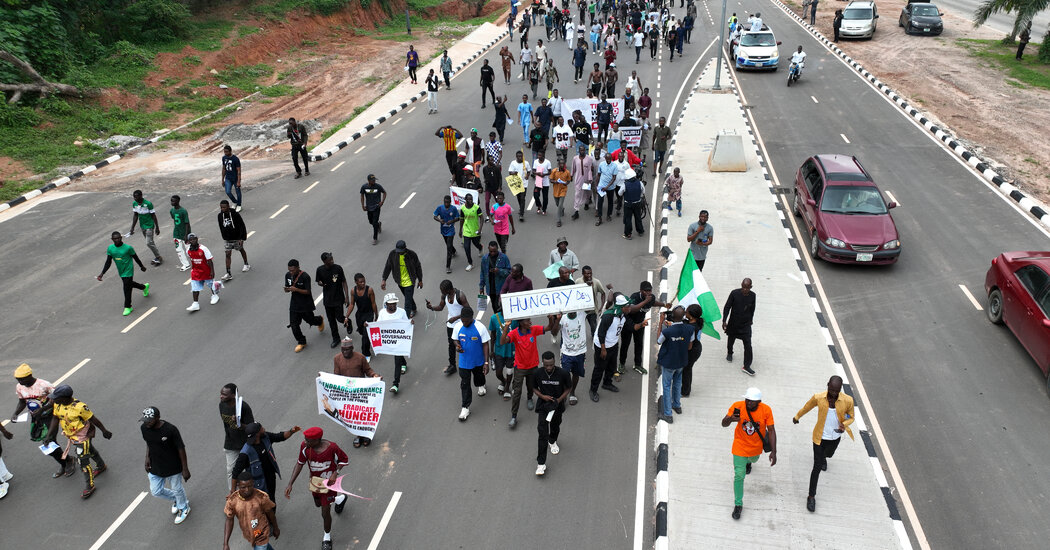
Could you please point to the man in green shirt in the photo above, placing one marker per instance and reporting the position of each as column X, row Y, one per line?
column 142, row 212
column 181, row 219
column 122, row 255
column 470, row 222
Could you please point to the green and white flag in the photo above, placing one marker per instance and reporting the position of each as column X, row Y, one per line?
column 693, row 289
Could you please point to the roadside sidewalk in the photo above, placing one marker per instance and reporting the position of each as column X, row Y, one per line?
column 404, row 94
column 793, row 359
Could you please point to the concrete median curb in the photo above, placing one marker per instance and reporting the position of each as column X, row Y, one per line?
column 1034, row 207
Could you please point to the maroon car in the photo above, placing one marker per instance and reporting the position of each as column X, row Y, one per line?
column 1018, row 288
column 847, row 218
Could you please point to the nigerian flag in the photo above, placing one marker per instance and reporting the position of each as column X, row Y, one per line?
column 693, row 289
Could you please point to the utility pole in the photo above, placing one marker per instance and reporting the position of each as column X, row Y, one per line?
column 408, row 24
column 721, row 46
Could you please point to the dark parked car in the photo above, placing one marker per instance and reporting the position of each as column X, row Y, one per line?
column 1018, row 288
column 847, row 218
column 921, row 18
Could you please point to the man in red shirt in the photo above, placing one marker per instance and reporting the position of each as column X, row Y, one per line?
column 325, row 459
column 202, row 272
column 526, row 358
column 632, row 159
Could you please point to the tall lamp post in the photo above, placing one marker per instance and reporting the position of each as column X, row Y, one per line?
column 721, row 45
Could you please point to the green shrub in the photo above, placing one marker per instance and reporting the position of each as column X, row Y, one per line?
column 17, row 116
column 1044, row 48
column 155, row 21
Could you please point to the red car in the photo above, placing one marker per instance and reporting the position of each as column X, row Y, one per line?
column 847, row 218
column 1018, row 288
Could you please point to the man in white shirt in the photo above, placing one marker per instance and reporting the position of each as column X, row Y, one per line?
column 391, row 312
column 518, row 168
column 555, row 103
column 572, row 329
column 562, row 136
column 541, row 53
column 541, row 170
column 525, row 59
column 639, row 40
column 756, row 22
column 800, row 58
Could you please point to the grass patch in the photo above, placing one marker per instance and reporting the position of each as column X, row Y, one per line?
column 192, row 60
column 194, row 105
column 450, row 27
column 244, row 78
column 246, row 30
column 417, row 5
column 1031, row 160
column 11, row 189
column 371, row 79
column 1029, row 71
column 189, row 134
column 357, row 110
column 208, row 35
column 278, row 90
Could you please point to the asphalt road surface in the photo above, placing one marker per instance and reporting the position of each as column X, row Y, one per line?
column 959, row 400
column 463, row 485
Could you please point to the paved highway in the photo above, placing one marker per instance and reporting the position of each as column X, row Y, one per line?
column 464, row 485
column 947, row 387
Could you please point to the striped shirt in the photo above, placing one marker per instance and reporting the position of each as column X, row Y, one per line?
column 450, row 136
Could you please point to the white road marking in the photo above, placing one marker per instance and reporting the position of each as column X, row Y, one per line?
column 336, row 167
column 892, row 198
column 844, row 138
column 314, row 184
column 532, row 202
column 71, row 371
column 814, row 99
column 249, row 235
column 359, row 149
column 120, row 519
column 643, row 431
column 970, row 297
column 410, row 110
column 379, row 134
column 139, row 320
column 187, row 282
column 319, row 298
column 408, row 199
column 384, row 521
column 460, row 142
column 657, row 94
column 278, row 212
column 395, row 122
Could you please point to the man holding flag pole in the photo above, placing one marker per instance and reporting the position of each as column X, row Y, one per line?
column 693, row 289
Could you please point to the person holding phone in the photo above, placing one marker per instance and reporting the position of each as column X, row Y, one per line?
column 828, row 430
column 750, row 438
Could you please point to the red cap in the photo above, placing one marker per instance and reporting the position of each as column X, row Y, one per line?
column 313, row 433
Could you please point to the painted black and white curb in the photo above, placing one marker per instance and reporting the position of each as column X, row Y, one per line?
column 404, row 105
column 865, row 435
column 1035, row 208
column 55, row 184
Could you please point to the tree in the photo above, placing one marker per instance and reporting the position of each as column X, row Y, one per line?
column 1026, row 11
column 38, row 85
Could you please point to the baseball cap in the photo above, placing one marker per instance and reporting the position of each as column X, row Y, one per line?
column 149, row 413
column 251, row 429
column 390, row 298
column 401, row 246
column 191, row 236
column 612, row 64
column 753, row 394
column 23, row 371
column 621, row 300
column 462, row 154
column 62, row 391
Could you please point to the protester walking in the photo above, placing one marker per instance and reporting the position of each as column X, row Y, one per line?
column 300, row 304
column 363, row 300
column 234, row 233
column 751, row 438
column 456, row 300
column 673, row 186
column 257, row 458
column 694, row 318
column 35, row 394
column 235, row 413
column 122, row 255
column 700, row 235
column 827, row 432
column 737, row 317
column 255, row 513
column 572, row 331
column 166, row 462
column 433, row 84
column 471, row 221
column 231, row 176
column 606, row 346
column 202, row 273
column 391, row 312
column 336, row 296
column 79, row 424
column 552, row 387
column 297, row 135
column 502, row 116
column 446, row 69
column 488, row 77
column 323, row 459
column 404, row 264
column 472, row 347
column 142, row 212
column 634, row 326
column 526, row 358
column 180, row 220
column 373, row 196
column 447, row 215
column 412, row 62
column 352, row 364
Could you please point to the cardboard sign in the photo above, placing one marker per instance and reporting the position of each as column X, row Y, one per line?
column 547, row 301
column 354, row 403
column 589, row 108
column 516, row 185
column 459, row 195
column 392, row 337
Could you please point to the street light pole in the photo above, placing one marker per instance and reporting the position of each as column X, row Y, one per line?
column 721, row 45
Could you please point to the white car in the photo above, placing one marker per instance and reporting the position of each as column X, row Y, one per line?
column 756, row 50
column 859, row 20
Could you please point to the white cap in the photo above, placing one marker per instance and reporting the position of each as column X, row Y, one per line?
column 621, row 300
column 753, row 394
column 629, row 173
column 390, row 298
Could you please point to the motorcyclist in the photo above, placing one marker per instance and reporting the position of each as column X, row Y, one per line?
column 799, row 58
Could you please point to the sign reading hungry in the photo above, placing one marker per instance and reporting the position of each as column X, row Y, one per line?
column 547, row 301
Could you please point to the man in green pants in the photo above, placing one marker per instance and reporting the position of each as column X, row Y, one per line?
column 749, row 437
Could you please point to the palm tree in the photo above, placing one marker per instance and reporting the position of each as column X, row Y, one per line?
column 1026, row 11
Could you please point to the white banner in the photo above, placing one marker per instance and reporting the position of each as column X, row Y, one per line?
column 547, row 301
column 391, row 337
column 459, row 195
column 354, row 403
column 589, row 108
column 632, row 135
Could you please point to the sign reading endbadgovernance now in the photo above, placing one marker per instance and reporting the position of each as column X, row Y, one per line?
column 547, row 301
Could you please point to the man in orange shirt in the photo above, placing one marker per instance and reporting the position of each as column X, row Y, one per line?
column 749, row 437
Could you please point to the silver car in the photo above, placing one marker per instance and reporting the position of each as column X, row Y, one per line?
column 859, row 20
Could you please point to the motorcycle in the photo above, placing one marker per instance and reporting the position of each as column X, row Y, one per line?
column 794, row 73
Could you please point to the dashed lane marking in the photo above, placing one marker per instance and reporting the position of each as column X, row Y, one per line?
column 336, row 167
column 844, row 138
column 970, row 297
column 312, row 185
column 278, row 212
column 408, row 199
column 139, row 320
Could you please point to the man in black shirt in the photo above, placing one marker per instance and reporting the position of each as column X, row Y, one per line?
column 233, row 424
column 581, row 129
column 603, row 116
column 487, row 77
column 332, row 280
column 166, row 462
column 492, row 174
column 301, row 305
column 297, row 136
column 737, row 316
column 551, row 386
column 258, row 459
column 538, row 139
column 372, row 198
column 640, row 302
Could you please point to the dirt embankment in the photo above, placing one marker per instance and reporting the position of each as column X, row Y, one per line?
column 1001, row 122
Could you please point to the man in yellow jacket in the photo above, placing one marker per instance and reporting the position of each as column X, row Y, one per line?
column 828, row 430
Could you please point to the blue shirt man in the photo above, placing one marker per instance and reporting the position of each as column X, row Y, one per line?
column 675, row 341
column 472, row 345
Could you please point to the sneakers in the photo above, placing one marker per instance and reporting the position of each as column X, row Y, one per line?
column 247, row 267
column 145, row 291
column 237, row 208
column 573, row 400
column 677, row 409
column 214, row 299
column 340, row 504
column 610, row 387
column 555, row 449
column 513, row 422
column 3, row 489
column 174, row 509
column 640, row 369
column 499, row 388
column 668, row 419
column 541, row 469
column 464, row 413
column 393, row 389
column 729, row 357
column 128, row 310
column 184, row 268
column 811, row 504
column 299, row 347
column 326, row 545
column 226, row 277
column 594, row 396
column 182, row 515
column 736, row 511
column 320, row 328
column 469, row 267
column 404, row 368
column 747, row 469
column 530, row 404
column 506, row 396
column 98, row 471
column 482, row 391
column 449, row 370
column 747, row 371
column 195, row 306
